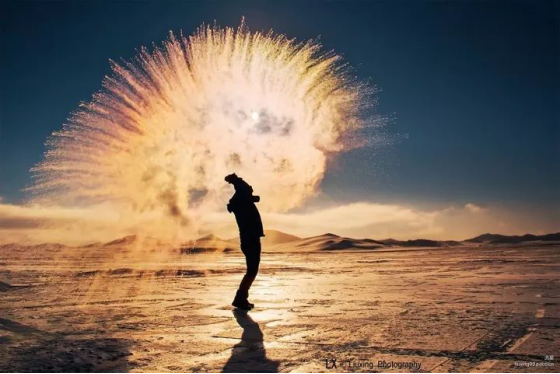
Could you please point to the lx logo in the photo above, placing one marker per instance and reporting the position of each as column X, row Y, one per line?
column 332, row 362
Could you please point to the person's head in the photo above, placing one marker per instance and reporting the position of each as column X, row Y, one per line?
column 231, row 178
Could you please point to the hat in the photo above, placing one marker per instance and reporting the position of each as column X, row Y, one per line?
column 231, row 178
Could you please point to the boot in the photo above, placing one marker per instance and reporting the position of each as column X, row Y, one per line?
column 241, row 301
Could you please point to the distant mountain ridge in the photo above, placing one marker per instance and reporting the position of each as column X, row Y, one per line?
column 332, row 242
column 280, row 241
column 272, row 237
column 513, row 239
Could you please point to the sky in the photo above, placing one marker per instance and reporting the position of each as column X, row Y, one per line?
column 470, row 90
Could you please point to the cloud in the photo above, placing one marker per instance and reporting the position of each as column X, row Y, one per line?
column 381, row 221
column 36, row 223
column 473, row 208
column 360, row 220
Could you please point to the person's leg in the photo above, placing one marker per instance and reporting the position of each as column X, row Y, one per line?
column 252, row 250
column 253, row 259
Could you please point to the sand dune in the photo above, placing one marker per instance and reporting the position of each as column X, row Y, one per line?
column 278, row 241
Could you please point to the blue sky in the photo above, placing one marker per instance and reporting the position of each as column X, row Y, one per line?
column 471, row 88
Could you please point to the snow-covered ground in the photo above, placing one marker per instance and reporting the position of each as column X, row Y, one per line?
column 414, row 309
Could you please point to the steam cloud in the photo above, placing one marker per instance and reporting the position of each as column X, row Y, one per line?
column 155, row 144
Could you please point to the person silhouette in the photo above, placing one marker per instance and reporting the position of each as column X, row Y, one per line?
column 249, row 222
